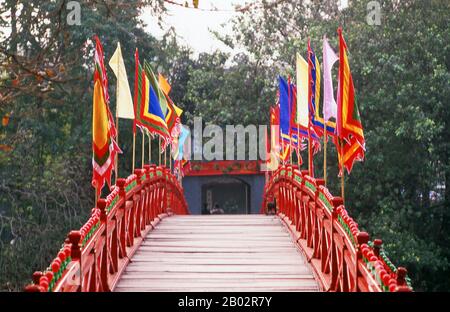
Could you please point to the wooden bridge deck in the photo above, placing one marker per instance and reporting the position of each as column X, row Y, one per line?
column 218, row 253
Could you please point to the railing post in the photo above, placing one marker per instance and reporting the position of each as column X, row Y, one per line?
column 139, row 204
column 166, row 187
column 401, row 276
column 377, row 244
column 104, row 267
column 337, row 201
column 74, row 238
column 122, row 231
column 362, row 238
column 153, row 193
column 147, row 197
column 318, row 227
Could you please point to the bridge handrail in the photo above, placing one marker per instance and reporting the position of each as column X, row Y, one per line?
column 94, row 257
column 342, row 256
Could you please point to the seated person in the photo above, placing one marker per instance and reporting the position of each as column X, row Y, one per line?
column 217, row 209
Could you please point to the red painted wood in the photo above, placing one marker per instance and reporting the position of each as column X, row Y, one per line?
column 224, row 167
column 339, row 253
column 100, row 251
column 204, row 254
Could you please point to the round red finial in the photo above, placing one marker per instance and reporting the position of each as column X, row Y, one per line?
column 37, row 276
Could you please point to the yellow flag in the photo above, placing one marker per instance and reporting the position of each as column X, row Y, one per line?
column 164, row 84
column 178, row 110
column 124, row 106
column 100, row 134
column 302, row 117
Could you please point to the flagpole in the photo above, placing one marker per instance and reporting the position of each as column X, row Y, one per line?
column 325, row 141
column 165, row 157
column 134, row 151
column 343, row 172
column 143, row 148
column 117, row 118
column 149, row 149
column 309, row 153
column 298, row 146
column 159, row 151
column 290, row 150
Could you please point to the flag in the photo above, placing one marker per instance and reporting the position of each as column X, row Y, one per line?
column 285, row 118
column 285, row 109
column 147, row 107
column 182, row 156
column 314, row 91
column 178, row 110
column 100, row 74
column 329, row 103
column 104, row 148
column 271, row 155
column 173, row 113
column 272, row 145
column 349, row 127
column 299, row 133
column 302, row 117
column 182, row 151
column 155, row 85
column 124, row 106
column 164, row 84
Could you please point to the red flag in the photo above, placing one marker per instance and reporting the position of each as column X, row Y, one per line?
column 104, row 147
column 351, row 142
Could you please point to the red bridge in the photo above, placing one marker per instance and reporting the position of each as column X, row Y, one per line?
column 142, row 238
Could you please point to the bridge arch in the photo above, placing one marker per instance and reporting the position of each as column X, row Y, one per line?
column 343, row 258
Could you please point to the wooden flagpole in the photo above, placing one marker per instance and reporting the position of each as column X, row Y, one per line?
column 143, row 148
column 298, row 146
column 325, row 141
column 134, row 151
column 165, row 157
column 309, row 153
column 290, row 151
column 343, row 172
column 149, row 149
column 117, row 121
column 159, row 151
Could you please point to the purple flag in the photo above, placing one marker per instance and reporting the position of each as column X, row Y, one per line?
column 329, row 104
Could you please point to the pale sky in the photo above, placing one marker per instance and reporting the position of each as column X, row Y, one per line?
column 192, row 26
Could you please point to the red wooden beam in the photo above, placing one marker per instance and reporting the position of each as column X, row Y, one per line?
column 225, row 167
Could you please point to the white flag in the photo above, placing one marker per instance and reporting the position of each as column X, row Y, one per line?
column 329, row 104
column 124, row 108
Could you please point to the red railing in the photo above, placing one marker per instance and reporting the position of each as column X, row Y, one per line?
column 341, row 255
column 94, row 257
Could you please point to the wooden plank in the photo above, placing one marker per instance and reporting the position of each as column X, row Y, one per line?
column 218, row 253
column 215, row 275
column 218, row 261
column 165, row 283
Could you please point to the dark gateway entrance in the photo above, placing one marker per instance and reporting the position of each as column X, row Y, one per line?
column 229, row 193
column 235, row 186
